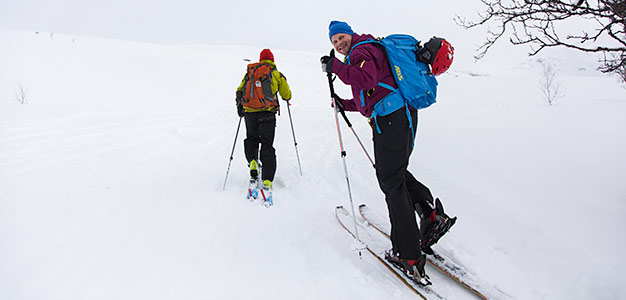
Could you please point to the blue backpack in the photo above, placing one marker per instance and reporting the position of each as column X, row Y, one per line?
column 417, row 86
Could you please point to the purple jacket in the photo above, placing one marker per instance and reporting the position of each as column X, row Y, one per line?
column 368, row 67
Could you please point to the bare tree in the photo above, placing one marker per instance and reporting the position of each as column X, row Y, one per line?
column 20, row 94
column 543, row 24
column 548, row 84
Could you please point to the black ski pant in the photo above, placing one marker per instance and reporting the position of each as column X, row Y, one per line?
column 260, row 129
column 403, row 193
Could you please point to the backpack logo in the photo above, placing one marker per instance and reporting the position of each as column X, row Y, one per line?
column 398, row 73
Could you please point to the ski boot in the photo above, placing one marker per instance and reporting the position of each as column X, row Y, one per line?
column 413, row 268
column 254, row 168
column 253, row 188
column 266, row 192
column 434, row 226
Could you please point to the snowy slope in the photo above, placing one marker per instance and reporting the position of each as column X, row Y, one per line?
column 111, row 178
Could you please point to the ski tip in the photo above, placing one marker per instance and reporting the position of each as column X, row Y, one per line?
column 341, row 210
column 452, row 222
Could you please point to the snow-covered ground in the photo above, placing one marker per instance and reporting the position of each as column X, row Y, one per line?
column 111, row 178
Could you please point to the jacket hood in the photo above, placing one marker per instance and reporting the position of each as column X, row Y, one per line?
column 267, row 61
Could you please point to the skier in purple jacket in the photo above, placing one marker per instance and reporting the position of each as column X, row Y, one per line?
column 366, row 68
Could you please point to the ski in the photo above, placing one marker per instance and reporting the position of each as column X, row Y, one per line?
column 404, row 278
column 253, row 189
column 257, row 192
column 268, row 199
column 438, row 261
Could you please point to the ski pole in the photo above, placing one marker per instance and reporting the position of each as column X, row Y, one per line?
column 357, row 138
column 295, row 144
column 345, row 118
column 231, row 154
column 343, row 152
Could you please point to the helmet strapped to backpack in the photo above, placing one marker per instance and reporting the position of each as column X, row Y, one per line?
column 438, row 53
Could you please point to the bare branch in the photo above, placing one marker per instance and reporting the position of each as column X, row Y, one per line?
column 550, row 87
column 540, row 24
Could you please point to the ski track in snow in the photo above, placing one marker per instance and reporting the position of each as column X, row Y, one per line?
column 120, row 196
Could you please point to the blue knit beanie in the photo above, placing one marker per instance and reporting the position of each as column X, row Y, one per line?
column 338, row 27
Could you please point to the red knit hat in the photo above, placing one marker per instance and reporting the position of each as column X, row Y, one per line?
column 266, row 54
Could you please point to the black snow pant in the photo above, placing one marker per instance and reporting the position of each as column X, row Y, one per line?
column 403, row 193
column 260, row 129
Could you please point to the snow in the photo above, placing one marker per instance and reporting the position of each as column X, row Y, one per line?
column 111, row 177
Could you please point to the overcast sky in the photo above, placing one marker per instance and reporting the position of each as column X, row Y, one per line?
column 274, row 24
column 288, row 24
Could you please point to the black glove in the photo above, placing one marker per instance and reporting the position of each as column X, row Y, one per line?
column 240, row 110
column 327, row 63
column 339, row 102
column 239, row 101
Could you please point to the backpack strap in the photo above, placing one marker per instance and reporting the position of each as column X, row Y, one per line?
column 392, row 102
column 250, row 78
column 368, row 41
column 347, row 60
column 380, row 83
